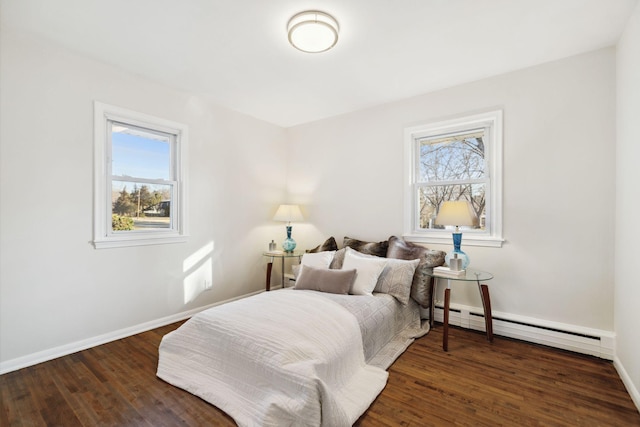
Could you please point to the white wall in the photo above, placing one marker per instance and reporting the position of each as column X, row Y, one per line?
column 559, row 169
column 55, row 288
column 627, row 295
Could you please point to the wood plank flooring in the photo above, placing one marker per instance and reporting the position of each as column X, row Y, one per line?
column 508, row 383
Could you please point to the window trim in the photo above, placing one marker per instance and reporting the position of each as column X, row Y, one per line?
column 493, row 236
column 103, row 236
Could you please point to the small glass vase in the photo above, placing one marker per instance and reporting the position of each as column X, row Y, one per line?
column 289, row 244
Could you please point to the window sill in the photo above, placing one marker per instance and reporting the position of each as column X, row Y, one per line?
column 468, row 239
column 123, row 242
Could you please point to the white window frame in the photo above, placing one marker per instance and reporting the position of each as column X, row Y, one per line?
column 103, row 236
column 492, row 235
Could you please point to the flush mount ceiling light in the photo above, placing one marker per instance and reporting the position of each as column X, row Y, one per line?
column 313, row 31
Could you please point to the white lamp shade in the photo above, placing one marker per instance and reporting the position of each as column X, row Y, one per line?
column 456, row 213
column 313, row 31
column 288, row 213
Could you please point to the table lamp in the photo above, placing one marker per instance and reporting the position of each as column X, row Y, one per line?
column 458, row 213
column 288, row 213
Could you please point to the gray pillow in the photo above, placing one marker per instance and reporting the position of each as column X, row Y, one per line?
column 369, row 248
column 325, row 280
column 397, row 278
column 422, row 285
column 328, row 245
column 338, row 259
column 401, row 249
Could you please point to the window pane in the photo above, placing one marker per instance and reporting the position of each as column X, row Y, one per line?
column 431, row 197
column 139, row 206
column 140, row 153
column 452, row 157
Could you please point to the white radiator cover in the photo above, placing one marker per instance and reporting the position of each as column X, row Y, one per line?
column 589, row 341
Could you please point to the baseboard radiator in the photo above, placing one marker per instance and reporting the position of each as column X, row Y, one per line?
column 594, row 342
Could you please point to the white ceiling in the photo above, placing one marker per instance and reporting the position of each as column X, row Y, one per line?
column 235, row 52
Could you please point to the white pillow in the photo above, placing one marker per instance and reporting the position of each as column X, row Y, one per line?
column 315, row 260
column 368, row 270
column 318, row 259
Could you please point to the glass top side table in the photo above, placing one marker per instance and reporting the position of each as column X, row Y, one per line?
column 282, row 255
column 471, row 275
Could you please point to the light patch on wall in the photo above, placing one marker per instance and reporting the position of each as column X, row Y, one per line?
column 198, row 269
column 304, row 187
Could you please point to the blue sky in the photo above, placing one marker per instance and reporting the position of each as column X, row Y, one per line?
column 140, row 157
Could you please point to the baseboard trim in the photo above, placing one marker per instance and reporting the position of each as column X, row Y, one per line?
column 626, row 380
column 74, row 347
column 589, row 341
column 568, row 337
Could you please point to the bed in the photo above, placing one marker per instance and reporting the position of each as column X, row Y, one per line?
column 302, row 357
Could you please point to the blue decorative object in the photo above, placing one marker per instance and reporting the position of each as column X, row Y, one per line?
column 457, row 240
column 458, row 213
column 289, row 244
column 288, row 213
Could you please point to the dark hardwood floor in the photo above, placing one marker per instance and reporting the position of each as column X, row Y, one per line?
column 476, row 383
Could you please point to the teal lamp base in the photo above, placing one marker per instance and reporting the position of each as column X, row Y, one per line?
column 457, row 253
column 289, row 244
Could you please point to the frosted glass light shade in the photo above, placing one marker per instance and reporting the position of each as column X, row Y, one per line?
column 313, row 31
column 288, row 213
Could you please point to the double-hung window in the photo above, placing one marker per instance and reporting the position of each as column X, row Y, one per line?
column 458, row 159
column 140, row 188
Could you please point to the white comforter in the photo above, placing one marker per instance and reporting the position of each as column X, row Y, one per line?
column 282, row 358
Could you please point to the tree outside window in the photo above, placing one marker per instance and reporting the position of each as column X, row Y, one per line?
column 451, row 167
